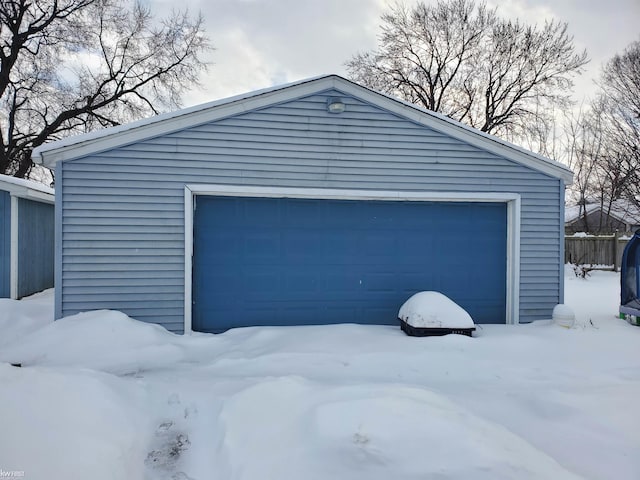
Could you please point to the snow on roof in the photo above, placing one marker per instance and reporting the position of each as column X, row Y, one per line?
column 26, row 188
column 571, row 212
column 622, row 210
column 79, row 145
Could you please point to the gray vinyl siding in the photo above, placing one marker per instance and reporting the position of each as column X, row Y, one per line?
column 122, row 211
column 5, row 244
column 35, row 246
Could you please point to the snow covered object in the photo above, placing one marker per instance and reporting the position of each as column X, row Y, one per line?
column 563, row 315
column 432, row 313
column 630, row 281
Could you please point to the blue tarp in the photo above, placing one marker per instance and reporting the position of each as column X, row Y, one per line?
column 630, row 277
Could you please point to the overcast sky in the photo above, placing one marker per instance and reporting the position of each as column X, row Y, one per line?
column 260, row 43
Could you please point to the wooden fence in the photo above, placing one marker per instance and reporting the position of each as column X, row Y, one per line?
column 602, row 250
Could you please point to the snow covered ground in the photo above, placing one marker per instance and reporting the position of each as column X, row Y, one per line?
column 102, row 396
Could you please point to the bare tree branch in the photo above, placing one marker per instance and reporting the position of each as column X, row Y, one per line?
column 459, row 58
column 69, row 66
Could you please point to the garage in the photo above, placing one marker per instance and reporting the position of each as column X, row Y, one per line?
column 26, row 237
column 304, row 261
column 315, row 202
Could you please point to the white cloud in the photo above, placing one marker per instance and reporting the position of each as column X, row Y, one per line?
column 602, row 28
column 260, row 43
column 524, row 10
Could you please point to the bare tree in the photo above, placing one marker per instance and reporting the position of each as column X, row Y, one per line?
column 424, row 53
column 459, row 58
column 582, row 143
column 620, row 98
column 621, row 80
column 70, row 66
column 603, row 142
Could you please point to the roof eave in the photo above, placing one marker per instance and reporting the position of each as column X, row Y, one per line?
column 74, row 147
column 468, row 134
column 26, row 192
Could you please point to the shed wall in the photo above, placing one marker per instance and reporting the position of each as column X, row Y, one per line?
column 122, row 210
column 5, row 244
column 36, row 229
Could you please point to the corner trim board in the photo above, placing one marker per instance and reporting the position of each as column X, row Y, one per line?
column 58, row 257
column 189, row 202
column 13, row 255
column 561, row 227
column 513, row 225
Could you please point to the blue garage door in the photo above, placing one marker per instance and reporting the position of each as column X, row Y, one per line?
column 282, row 261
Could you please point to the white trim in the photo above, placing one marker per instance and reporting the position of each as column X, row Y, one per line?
column 58, row 258
column 346, row 194
column 513, row 225
column 513, row 261
column 27, row 189
column 189, row 195
column 81, row 145
column 13, row 255
column 561, row 228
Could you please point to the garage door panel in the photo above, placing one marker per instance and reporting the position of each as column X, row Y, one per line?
column 342, row 221
column 221, row 283
column 350, row 314
column 380, row 243
column 378, row 315
column 268, row 261
column 222, row 243
column 301, row 246
column 343, row 246
column 255, row 213
column 341, row 283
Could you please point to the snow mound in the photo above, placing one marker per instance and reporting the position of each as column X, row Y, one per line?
column 19, row 318
column 434, row 310
column 103, row 340
column 368, row 431
column 61, row 424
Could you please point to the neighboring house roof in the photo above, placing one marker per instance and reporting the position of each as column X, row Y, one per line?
column 622, row 210
column 76, row 146
column 26, row 188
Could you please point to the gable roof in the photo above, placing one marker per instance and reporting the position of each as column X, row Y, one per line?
column 622, row 210
column 29, row 189
column 80, row 145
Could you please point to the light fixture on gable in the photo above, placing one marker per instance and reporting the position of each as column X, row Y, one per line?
column 335, row 105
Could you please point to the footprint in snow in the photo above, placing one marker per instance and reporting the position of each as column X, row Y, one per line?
column 169, row 447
